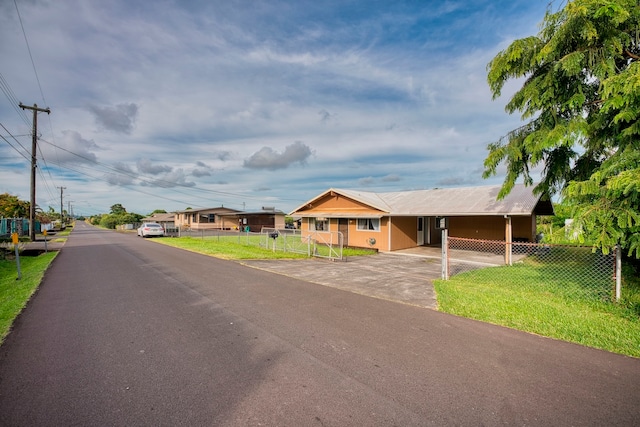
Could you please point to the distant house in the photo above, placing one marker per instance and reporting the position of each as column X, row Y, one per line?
column 206, row 219
column 268, row 217
column 167, row 220
column 405, row 219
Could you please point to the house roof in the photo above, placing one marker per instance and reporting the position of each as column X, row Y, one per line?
column 160, row 217
column 211, row 210
column 463, row 201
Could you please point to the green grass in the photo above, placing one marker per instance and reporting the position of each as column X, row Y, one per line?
column 242, row 247
column 14, row 294
column 525, row 297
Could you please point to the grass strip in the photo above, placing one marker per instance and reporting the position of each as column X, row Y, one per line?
column 14, row 294
column 497, row 295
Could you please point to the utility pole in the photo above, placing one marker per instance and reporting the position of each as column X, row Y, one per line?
column 34, row 139
column 61, row 211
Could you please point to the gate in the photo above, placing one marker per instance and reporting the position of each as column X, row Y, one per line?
column 322, row 244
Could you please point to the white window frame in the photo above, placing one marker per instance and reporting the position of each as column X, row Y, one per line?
column 315, row 222
column 368, row 224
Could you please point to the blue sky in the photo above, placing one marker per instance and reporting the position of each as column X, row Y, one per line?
column 250, row 103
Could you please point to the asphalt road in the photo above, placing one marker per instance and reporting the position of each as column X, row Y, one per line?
column 124, row 331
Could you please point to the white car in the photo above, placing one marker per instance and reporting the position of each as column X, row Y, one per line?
column 150, row 229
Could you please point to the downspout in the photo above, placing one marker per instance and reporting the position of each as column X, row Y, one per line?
column 389, row 236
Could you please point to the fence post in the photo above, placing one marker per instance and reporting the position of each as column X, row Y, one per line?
column 618, row 272
column 445, row 254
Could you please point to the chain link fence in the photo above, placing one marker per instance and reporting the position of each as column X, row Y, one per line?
column 318, row 244
column 573, row 271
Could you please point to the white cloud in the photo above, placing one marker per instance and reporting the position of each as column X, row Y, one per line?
column 267, row 158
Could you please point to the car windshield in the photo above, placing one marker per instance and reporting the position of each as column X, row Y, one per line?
column 153, row 225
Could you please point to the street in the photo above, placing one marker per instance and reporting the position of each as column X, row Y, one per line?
column 125, row 331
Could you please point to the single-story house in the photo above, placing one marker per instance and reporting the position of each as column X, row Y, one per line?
column 166, row 220
column 405, row 219
column 206, row 219
column 269, row 217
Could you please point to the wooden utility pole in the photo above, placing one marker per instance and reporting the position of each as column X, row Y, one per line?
column 34, row 139
column 61, row 211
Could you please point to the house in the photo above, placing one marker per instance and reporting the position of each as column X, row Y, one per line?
column 166, row 220
column 268, row 217
column 206, row 219
column 405, row 219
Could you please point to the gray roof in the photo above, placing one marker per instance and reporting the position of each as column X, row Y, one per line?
column 159, row 217
column 213, row 210
column 464, row 201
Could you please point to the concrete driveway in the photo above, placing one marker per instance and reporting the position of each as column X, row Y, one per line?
column 401, row 277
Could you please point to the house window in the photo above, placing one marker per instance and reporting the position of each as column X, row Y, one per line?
column 369, row 224
column 321, row 224
column 212, row 217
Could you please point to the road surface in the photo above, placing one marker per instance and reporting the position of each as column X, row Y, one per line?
column 125, row 331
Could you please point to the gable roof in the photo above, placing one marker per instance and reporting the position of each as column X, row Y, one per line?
column 159, row 217
column 209, row 210
column 463, row 201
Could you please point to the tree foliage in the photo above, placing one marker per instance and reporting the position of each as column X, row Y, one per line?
column 580, row 100
column 12, row 207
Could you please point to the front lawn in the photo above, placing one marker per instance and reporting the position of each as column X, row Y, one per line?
column 242, row 247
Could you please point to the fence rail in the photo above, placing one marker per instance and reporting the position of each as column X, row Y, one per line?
column 576, row 271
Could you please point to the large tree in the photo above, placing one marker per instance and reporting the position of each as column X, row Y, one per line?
column 580, row 103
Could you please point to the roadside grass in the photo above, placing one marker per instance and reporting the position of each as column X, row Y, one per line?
column 243, row 247
column 544, row 307
column 14, row 294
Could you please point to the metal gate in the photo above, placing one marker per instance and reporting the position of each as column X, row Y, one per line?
column 322, row 244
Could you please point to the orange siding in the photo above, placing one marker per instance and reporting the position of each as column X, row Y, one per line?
column 338, row 205
column 491, row 228
column 486, row 228
column 404, row 232
column 362, row 238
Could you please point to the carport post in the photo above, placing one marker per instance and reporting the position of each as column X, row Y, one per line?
column 445, row 254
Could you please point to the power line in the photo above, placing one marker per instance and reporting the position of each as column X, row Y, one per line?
column 10, row 145
column 6, row 89
column 29, row 50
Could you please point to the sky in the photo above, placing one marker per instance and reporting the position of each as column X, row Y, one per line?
column 245, row 104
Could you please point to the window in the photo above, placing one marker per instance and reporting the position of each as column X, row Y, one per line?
column 212, row 217
column 371, row 224
column 321, row 224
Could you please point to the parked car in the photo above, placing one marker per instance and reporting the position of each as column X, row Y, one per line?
column 149, row 229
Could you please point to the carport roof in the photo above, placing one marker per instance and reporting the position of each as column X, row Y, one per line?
column 463, row 201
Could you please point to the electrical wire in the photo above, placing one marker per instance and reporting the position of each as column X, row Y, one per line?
column 8, row 92
column 35, row 71
column 26, row 156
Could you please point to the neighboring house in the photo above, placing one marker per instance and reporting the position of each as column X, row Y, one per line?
column 166, row 220
column 406, row 219
column 206, row 219
column 269, row 217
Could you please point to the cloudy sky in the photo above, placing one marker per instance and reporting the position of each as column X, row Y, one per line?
column 249, row 103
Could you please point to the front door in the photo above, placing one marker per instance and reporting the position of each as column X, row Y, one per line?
column 343, row 227
column 420, row 238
